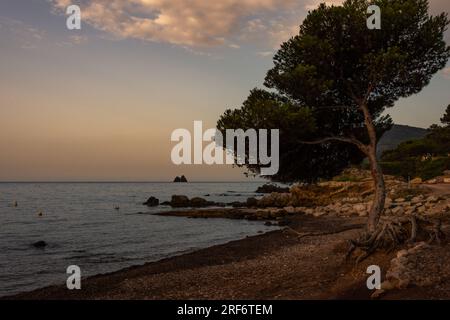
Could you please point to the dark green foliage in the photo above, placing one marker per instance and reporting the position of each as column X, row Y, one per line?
column 297, row 161
column 413, row 167
column 426, row 158
column 435, row 144
column 433, row 168
column 321, row 76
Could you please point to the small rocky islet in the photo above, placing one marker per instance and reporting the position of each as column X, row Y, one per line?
column 181, row 179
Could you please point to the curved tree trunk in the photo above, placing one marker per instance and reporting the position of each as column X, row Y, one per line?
column 370, row 151
column 379, row 199
column 380, row 189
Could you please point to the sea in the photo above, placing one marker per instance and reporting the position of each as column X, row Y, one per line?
column 103, row 227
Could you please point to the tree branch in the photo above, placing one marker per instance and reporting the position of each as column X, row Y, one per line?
column 354, row 141
column 335, row 107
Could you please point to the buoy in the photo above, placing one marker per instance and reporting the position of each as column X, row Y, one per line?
column 40, row 214
column 117, row 207
column 15, row 204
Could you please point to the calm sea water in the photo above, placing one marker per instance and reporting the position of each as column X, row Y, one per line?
column 82, row 228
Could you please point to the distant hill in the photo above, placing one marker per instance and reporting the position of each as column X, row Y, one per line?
column 397, row 135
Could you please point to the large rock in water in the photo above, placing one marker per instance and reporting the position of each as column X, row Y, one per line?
column 180, row 179
column 151, row 202
column 180, row 201
column 199, row 203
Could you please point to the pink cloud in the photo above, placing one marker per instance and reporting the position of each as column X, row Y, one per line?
column 196, row 23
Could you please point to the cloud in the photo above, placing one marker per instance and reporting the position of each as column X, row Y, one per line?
column 202, row 23
column 72, row 41
column 78, row 39
column 265, row 54
column 22, row 34
column 182, row 22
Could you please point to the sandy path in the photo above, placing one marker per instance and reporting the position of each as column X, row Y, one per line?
column 439, row 189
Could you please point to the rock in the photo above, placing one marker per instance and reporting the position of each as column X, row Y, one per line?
column 277, row 213
column 252, row 202
column 411, row 267
column 319, row 213
column 262, row 215
column 359, row 207
column 398, row 211
column 268, row 224
column 40, row 244
column 196, row 202
column 364, row 213
column 432, row 199
column 180, row 179
column 218, row 204
column 417, row 181
column 199, row 202
column 421, row 209
column 284, row 222
column 429, row 205
column 400, row 200
column 180, row 201
column 410, row 210
column 270, row 188
column 166, row 203
column 289, row 210
column 151, row 202
column 238, row 204
column 416, row 200
column 278, row 200
column 434, row 211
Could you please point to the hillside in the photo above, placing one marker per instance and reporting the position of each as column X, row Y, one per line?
column 397, row 135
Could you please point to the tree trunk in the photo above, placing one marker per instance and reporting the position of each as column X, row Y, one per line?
column 379, row 199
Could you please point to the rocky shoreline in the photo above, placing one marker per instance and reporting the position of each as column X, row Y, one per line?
column 334, row 199
column 303, row 260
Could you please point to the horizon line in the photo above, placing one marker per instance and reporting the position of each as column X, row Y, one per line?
column 123, row 181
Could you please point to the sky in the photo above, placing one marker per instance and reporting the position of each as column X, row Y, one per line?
column 100, row 103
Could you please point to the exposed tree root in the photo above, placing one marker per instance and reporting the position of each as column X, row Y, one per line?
column 393, row 232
